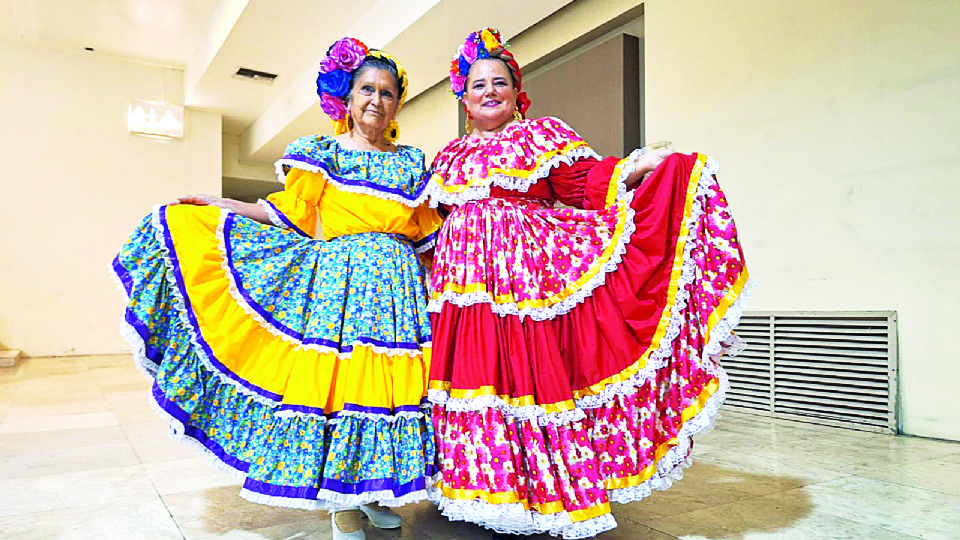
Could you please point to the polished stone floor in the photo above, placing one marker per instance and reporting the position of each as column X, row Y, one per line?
column 83, row 456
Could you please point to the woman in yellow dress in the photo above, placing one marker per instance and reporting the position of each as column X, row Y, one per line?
column 290, row 339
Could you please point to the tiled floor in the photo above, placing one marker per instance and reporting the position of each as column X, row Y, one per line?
column 82, row 455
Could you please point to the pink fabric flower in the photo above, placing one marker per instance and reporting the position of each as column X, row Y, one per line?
column 469, row 51
column 348, row 54
column 334, row 107
column 457, row 83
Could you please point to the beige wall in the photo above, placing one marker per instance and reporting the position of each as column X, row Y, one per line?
column 74, row 184
column 836, row 127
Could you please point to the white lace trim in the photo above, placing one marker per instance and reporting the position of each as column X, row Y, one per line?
column 527, row 412
column 176, row 432
column 428, row 246
column 513, row 518
column 359, row 190
column 129, row 334
column 272, row 214
column 343, row 414
column 514, row 183
column 564, row 306
column 671, row 466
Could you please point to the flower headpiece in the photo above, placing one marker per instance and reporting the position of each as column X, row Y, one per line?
column 336, row 72
column 485, row 43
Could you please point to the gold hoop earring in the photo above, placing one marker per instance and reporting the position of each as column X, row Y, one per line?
column 516, row 115
column 392, row 133
column 349, row 121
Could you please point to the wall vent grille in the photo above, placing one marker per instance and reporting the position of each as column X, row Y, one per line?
column 834, row 368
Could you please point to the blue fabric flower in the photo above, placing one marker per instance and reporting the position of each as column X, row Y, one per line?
column 482, row 51
column 336, row 83
column 463, row 66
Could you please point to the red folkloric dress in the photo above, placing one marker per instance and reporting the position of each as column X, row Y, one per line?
column 575, row 345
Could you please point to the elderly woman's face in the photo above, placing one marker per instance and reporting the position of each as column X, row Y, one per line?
column 490, row 96
column 374, row 99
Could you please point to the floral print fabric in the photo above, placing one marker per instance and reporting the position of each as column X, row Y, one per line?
column 544, row 418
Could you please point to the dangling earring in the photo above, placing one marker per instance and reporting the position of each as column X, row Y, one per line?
column 468, row 125
column 392, row 133
column 349, row 121
column 516, row 115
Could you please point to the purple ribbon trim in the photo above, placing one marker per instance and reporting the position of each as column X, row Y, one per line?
column 274, row 490
column 349, row 407
column 286, row 221
column 425, row 240
column 361, row 183
column 195, row 326
column 311, row 493
column 196, row 433
column 152, row 353
column 267, row 316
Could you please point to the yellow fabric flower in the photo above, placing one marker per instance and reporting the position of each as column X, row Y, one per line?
column 489, row 40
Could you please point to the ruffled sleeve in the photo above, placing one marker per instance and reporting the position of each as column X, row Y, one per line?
column 593, row 184
column 296, row 206
column 428, row 222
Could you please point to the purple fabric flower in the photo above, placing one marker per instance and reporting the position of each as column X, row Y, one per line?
column 347, row 53
column 335, row 107
column 328, row 64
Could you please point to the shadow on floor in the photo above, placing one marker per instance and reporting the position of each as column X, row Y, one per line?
column 716, row 502
column 710, row 502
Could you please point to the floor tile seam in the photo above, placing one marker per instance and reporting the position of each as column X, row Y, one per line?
column 901, row 484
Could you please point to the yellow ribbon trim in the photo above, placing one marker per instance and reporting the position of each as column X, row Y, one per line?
column 728, row 299
column 688, row 413
column 517, row 173
column 559, row 296
column 519, row 401
column 512, row 497
column 614, row 183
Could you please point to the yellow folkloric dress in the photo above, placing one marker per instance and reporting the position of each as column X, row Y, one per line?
column 300, row 363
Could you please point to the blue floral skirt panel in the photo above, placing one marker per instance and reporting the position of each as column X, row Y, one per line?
column 301, row 364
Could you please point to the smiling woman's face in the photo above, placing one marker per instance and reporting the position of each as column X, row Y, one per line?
column 490, row 96
column 374, row 99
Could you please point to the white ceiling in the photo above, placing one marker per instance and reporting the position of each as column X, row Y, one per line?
column 210, row 39
column 160, row 32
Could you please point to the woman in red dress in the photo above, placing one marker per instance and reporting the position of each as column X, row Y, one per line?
column 575, row 346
